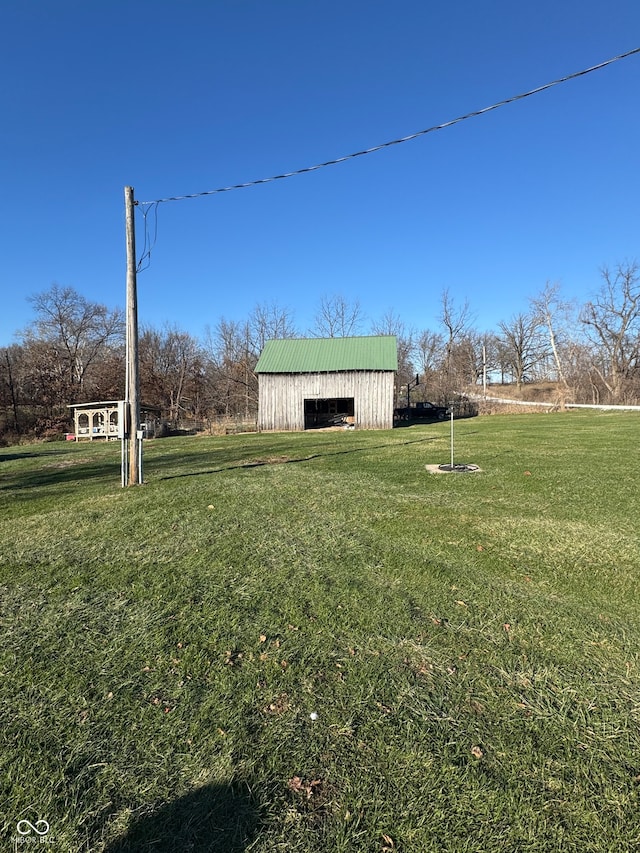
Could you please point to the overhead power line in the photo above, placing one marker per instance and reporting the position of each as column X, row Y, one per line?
column 402, row 139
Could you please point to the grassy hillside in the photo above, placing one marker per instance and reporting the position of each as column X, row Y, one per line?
column 307, row 642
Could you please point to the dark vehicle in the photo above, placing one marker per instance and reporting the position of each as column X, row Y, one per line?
column 422, row 412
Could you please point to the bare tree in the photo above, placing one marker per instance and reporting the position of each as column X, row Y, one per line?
column 523, row 345
column 9, row 389
column 232, row 384
column 336, row 317
column 578, row 358
column 71, row 333
column 171, row 365
column 612, row 323
column 553, row 313
column 473, row 357
column 429, row 354
column 232, row 350
column 457, row 322
column 391, row 324
column 269, row 321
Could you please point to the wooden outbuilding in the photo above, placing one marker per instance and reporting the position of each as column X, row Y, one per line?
column 102, row 419
column 321, row 382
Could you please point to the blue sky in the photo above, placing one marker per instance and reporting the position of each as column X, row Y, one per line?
column 182, row 97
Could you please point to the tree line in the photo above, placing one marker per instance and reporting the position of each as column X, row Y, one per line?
column 73, row 351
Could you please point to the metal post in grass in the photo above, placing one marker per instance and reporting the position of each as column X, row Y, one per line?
column 132, row 393
column 451, row 466
column 123, row 461
column 451, row 411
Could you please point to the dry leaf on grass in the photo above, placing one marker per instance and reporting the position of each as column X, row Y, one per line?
column 308, row 789
column 279, row 705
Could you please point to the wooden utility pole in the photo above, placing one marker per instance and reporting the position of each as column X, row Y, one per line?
column 132, row 392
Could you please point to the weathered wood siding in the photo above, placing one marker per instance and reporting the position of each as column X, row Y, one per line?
column 281, row 397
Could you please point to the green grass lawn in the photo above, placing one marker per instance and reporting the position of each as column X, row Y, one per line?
column 468, row 642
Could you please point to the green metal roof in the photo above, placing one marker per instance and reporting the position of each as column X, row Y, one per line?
column 325, row 355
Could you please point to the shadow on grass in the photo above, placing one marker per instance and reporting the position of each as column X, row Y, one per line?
column 10, row 457
column 65, row 474
column 211, row 819
column 285, row 460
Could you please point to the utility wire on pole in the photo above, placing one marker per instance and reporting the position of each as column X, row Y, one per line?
column 432, row 129
column 132, row 392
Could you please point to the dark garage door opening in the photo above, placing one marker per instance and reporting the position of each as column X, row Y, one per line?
column 335, row 411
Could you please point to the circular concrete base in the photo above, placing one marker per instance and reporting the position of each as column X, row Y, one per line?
column 457, row 469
